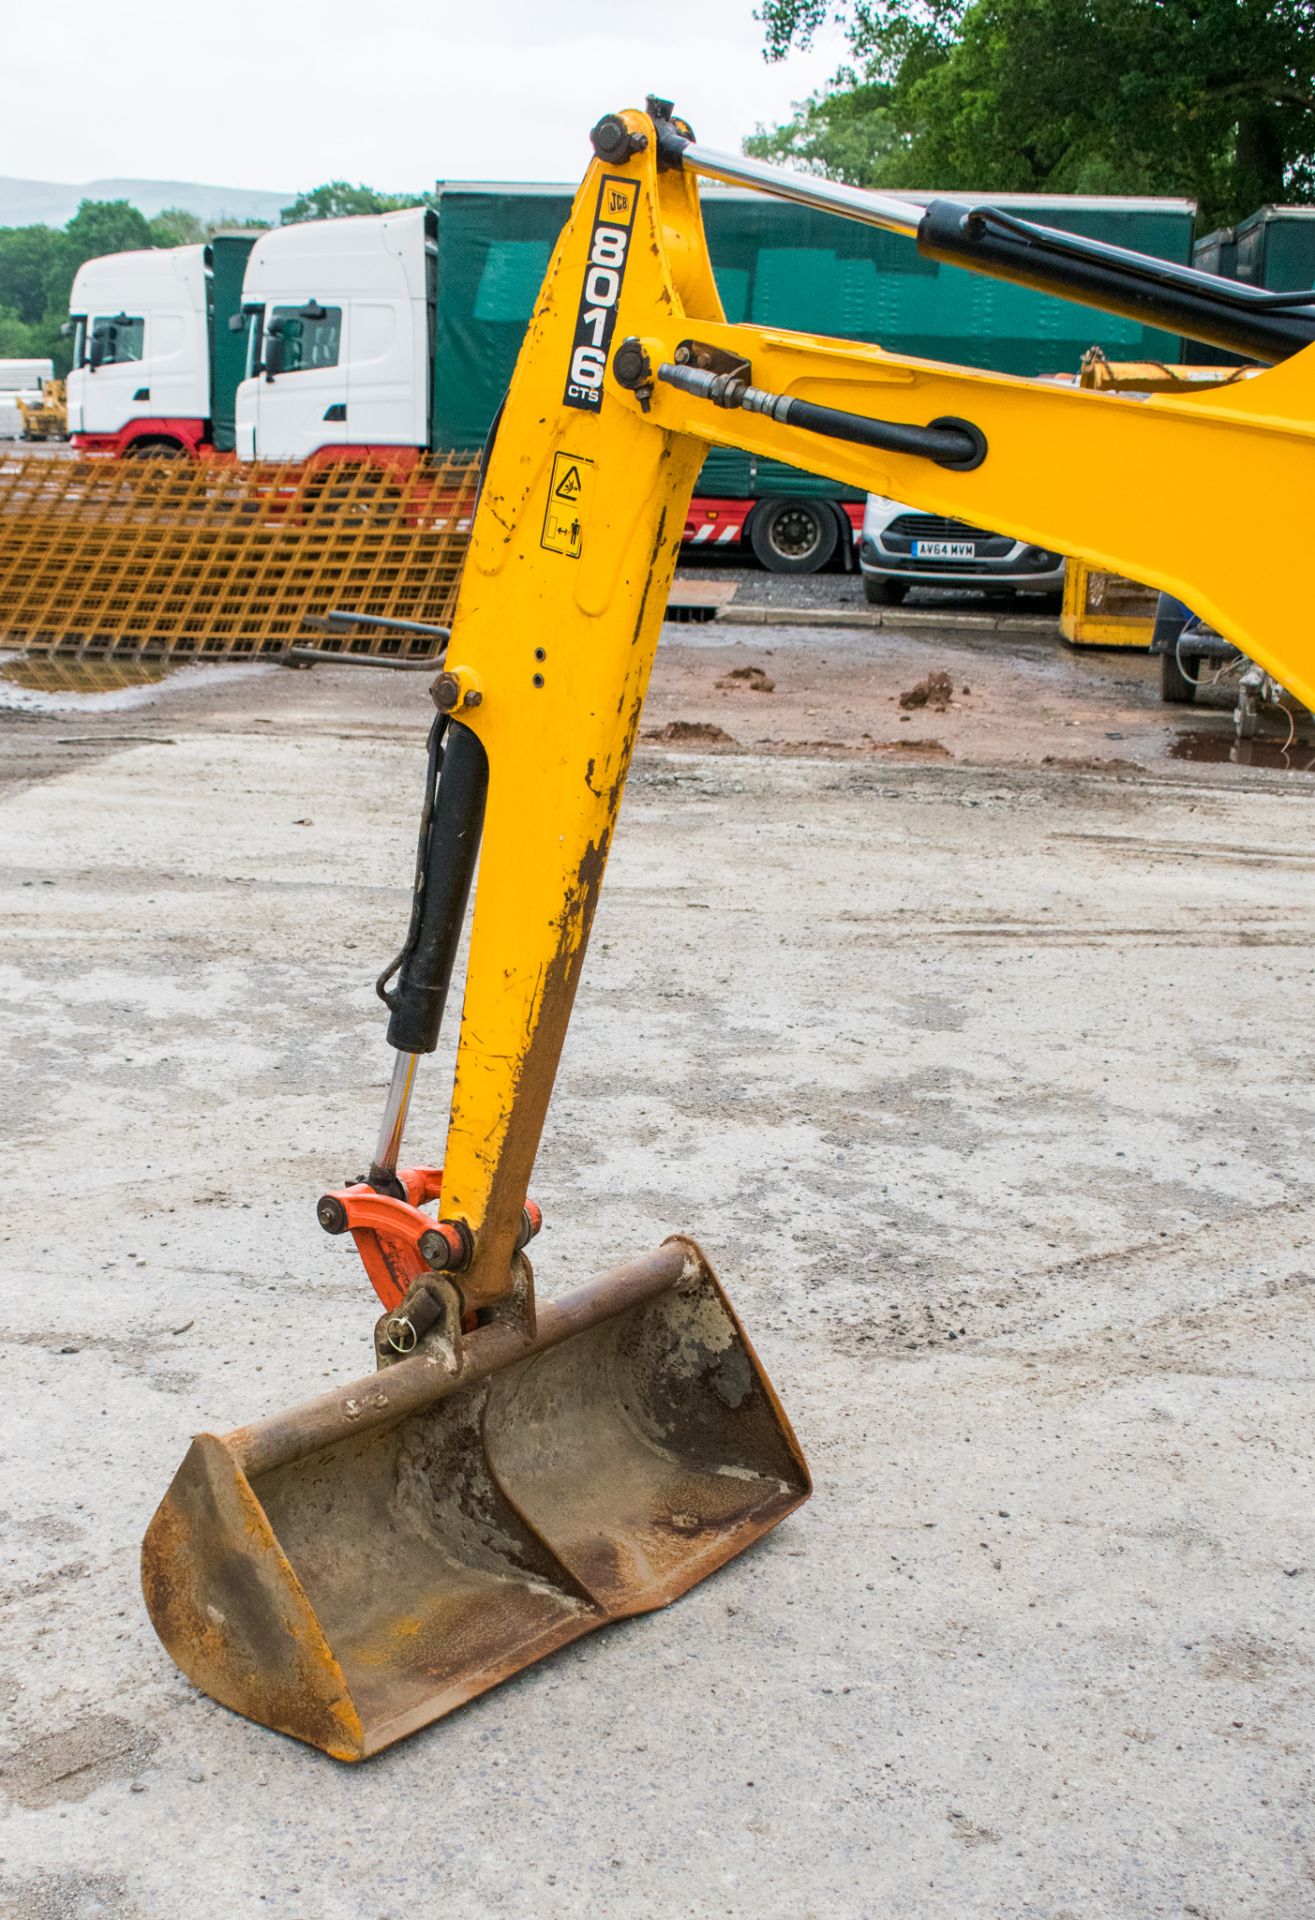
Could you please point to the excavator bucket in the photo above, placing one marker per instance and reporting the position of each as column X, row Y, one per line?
column 351, row 1570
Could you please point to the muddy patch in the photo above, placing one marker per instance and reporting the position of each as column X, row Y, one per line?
column 922, row 749
column 689, row 733
column 1089, row 763
column 747, row 680
column 935, row 693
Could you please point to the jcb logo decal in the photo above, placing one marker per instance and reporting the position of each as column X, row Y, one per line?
column 596, row 321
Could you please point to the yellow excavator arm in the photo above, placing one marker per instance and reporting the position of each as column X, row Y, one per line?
column 510, row 1479
column 622, row 387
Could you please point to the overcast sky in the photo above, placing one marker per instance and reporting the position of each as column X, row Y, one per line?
column 260, row 93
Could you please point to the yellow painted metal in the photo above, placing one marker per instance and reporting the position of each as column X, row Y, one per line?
column 130, row 559
column 561, row 603
column 558, row 613
column 1101, row 608
column 46, row 418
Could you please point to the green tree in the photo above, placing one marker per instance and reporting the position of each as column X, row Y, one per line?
column 1210, row 98
column 850, row 133
column 27, row 255
column 107, row 226
column 176, row 227
column 338, row 198
column 98, row 226
column 17, row 340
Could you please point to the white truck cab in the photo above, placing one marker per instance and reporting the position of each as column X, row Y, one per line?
column 141, row 363
column 339, row 320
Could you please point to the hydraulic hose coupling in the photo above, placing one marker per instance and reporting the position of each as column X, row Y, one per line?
column 947, row 442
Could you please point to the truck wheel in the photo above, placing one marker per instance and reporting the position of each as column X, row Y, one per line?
column 154, row 450
column 884, row 593
column 1175, row 687
column 793, row 536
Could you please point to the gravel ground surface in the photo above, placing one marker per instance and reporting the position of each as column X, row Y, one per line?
column 982, row 1075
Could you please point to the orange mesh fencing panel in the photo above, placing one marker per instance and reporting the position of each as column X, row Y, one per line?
column 134, row 559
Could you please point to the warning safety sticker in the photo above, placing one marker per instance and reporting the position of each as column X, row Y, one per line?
column 568, row 499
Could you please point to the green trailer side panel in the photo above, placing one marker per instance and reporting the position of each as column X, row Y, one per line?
column 784, row 266
column 1276, row 249
column 1217, row 253
column 493, row 250
column 228, row 260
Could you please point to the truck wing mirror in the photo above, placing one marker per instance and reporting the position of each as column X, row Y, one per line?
column 96, row 351
column 68, row 329
column 275, row 350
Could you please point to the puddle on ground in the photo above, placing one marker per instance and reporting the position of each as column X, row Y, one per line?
column 97, row 687
column 83, row 676
column 1225, row 749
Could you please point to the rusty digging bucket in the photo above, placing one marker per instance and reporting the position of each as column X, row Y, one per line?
column 351, row 1570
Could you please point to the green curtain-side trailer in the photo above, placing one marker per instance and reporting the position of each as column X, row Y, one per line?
column 788, row 266
column 228, row 260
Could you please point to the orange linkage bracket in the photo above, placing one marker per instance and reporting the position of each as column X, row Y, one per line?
column 388, row 1233
column 396, row 1241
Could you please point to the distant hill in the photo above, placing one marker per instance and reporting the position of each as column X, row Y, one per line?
column 25, row 203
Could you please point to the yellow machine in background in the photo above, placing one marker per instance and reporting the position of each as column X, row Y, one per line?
column 514, row 1476
column 47, row 420
column 1100, row 608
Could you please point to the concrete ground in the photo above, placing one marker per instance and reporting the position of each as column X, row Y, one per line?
column 982, row 1069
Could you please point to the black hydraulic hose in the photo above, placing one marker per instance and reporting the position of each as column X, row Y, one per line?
column 433, row 767
column 947, row 442
column 445, row 868
column 1222, row 313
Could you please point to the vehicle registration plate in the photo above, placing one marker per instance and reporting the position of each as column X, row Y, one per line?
column 944, row 550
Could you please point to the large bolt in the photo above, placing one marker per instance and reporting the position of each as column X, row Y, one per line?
column 332, row 1214
column 612, row 141
column 630, row 364
column 611, row 138
column 452, row 690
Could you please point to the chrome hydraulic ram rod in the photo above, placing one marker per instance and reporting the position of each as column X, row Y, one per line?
column 1160, row 293
column 888, row 211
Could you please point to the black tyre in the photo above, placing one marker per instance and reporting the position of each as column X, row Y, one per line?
column 155, row 450
column 793, row 536
column 1175, row 686
column 884, row 593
